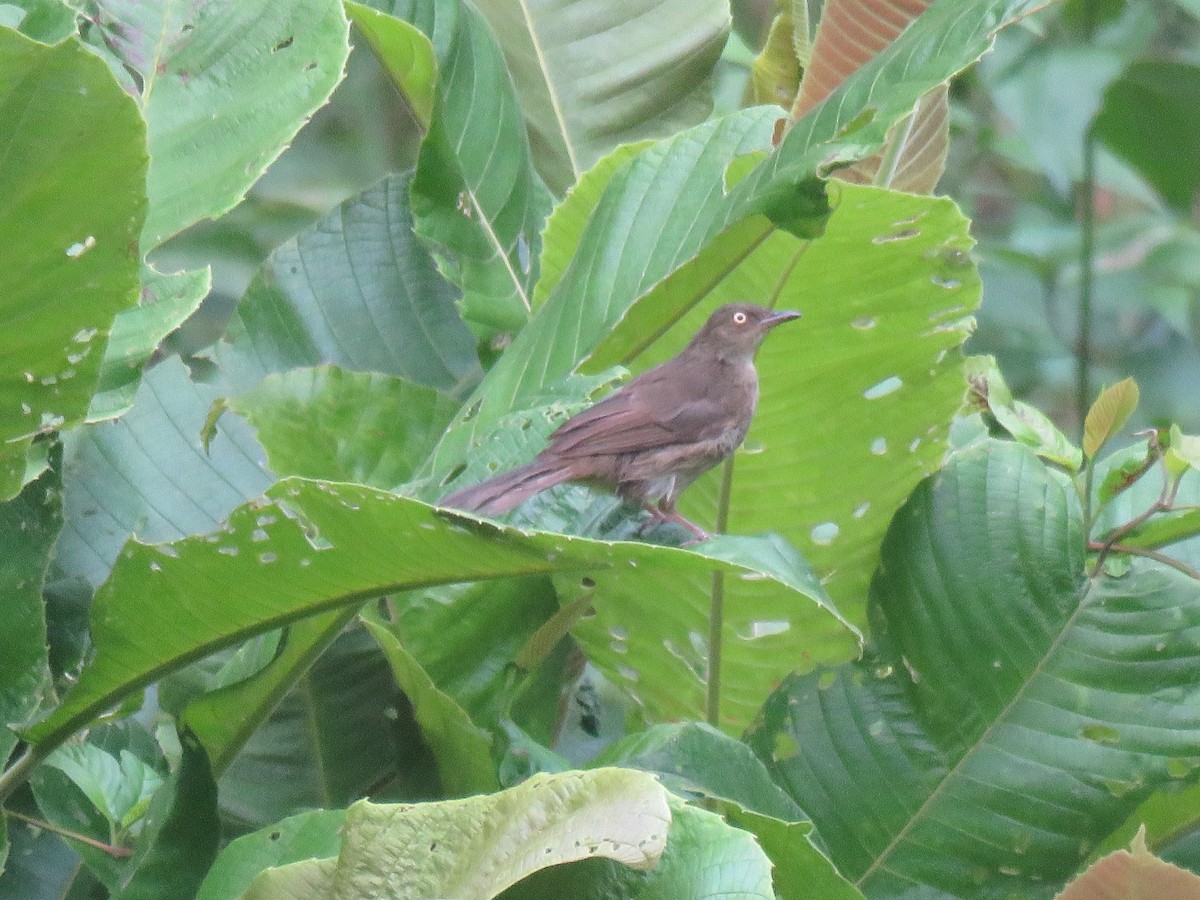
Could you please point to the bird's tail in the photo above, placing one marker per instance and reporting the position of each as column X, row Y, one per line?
column 508, row 490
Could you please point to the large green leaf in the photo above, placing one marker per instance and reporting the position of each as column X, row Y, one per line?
column 639, row 233
column 886, row 292
column 304, row 417
column 309, row 835
column 29, row 526
column 476, row 199
column 137, row 333
column 706, row 858
column 636, row 236
column 461, row 751
column 1014, row 710
column 856, row 399
column 1147, row 119
column 149, row 473
column 310, row 547
column 73, row 162
column 478, row 846
column 578, row 102
column 356, row 289
column 224, row 87
column 330, row 737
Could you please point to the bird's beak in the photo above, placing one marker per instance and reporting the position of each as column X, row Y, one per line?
column 783, row 315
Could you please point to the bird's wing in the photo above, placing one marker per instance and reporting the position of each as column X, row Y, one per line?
column 653, row 410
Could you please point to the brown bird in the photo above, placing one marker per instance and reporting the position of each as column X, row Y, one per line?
column 656, row 435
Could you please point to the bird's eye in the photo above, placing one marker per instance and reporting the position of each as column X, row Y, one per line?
column 739, row 318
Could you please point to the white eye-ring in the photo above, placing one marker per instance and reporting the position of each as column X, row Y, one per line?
column 739, row 318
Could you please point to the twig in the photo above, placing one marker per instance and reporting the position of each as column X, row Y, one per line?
column 1149, row 554
column 119, row 852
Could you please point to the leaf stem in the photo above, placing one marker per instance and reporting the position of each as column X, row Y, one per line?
column 1087, row 253
column 110, row 849
column 1164, row 503
column 716, row 609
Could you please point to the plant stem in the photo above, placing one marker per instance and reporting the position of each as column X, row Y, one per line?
column 716, row 609
column 110, row 849
column 1087, row 253
column 1149, row 554
column 18, row 773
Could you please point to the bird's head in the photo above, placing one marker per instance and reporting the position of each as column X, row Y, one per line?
column 738, row 328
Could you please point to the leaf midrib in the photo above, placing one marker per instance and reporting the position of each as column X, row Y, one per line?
column 1000, row 718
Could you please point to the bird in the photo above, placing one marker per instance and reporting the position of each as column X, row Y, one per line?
column 654, row 436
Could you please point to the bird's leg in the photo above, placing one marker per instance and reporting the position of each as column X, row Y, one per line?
column 665, row 512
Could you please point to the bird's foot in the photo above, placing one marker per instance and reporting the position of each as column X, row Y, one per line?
column 662, row 515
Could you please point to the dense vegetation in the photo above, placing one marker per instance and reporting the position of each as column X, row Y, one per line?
column 944, row 644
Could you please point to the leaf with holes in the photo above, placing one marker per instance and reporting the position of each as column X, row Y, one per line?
column 887, row 292
column 1012, row 711
column 224, row 86
column 640, row 242
column 577, row 102
column 308, row 548
column 147, row 473
column 478, row 846
column 476, row 200
column 29, row 526
column 74, row 167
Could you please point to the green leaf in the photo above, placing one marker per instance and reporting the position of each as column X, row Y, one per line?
column 223, row 720
column 356, row 289
column 705, row 857
column 775, row 75
column 147, row 472
column 345, row 426
column 1182, row 453
column 566, row 223
column 138, row 332
column 577, row 103
column 466, row 635
column 692, row 758
column 332, row 735
column 483, row 844
column 476, row 200
column 73, row 157
column 800, row 869
column 29, row 526
column 1012, row 712
column 1166, row 528
column 48, row 21
column 308, row 548
column 309, row 835
column 224, row 86
column 1148, row 120
column 1108, row 414
column 462, row 751
column 881, row 333
column 120, row 788
column 1024, row 422
column 183, row 829
column 405, row 52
